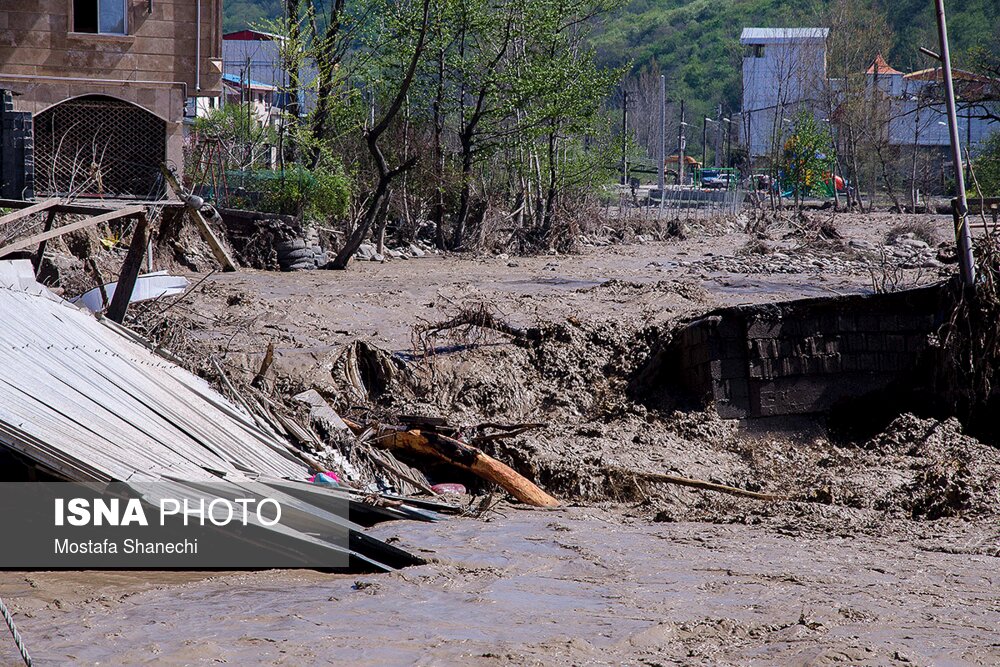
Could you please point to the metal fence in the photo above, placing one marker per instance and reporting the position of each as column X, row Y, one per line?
column 694, row 204
column 98, row 145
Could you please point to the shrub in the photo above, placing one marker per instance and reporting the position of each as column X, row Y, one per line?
column 987, row 167
column 320, row 194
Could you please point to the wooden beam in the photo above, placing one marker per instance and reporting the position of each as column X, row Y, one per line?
column 126, row 212
column 59, row 207
column 130, row 270
column 221, row 256
column 28, row 212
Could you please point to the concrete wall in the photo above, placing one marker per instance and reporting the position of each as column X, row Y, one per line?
column 780, row 75
column 806, row 356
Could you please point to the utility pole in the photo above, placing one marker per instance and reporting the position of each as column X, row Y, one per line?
column 728, row 140
column 661, row 170
column 625, row 137
column 704, row 141
column 960, row 206
column 680, row 148
column 718, row 135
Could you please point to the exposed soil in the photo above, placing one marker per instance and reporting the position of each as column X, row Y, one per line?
column 886, row 551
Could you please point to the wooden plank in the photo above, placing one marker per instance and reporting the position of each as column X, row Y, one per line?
column 61, row 207
column 221, row 256
column 28, row 212
column 130, row 270
column 126, row 212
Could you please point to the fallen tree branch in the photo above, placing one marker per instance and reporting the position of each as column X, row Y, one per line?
column 460, row 454
column 505, row 433
column 699, row 484
column 511, row 427
column 478, row 316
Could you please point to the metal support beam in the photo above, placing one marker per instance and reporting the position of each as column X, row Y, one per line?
column 963, row 235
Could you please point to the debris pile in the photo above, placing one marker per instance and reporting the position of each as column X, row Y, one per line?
column 82, row 399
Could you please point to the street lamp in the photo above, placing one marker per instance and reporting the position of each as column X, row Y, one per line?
column 729, row 140
column 681, row 146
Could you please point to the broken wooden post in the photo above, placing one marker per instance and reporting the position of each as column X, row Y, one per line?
column 460, row 454
column 199, row 221
column 36, row 261
column 130, row 270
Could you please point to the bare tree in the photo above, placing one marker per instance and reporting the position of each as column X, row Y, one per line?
column 386, row 175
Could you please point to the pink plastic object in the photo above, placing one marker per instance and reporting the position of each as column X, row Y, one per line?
column 457, row 489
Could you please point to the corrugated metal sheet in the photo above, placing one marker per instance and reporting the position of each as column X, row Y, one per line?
column 112, row 406
column 83, row 400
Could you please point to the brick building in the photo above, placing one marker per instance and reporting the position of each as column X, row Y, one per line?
column 106, row 83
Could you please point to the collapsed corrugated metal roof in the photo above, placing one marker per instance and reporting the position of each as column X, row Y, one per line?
column 82, row 400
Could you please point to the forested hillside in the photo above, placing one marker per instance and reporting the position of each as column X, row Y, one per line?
column 694, row 42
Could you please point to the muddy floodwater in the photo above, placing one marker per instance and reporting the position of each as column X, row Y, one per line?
column 573, row 586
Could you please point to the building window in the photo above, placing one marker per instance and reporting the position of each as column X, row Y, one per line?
column 106, row 17
column 755, row 51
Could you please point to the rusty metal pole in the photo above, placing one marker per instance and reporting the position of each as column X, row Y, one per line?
column 961, row 209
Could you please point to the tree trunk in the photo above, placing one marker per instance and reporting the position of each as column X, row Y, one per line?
column 327, row 59
column 466, row 196
column 438, row 214
column 386, row 175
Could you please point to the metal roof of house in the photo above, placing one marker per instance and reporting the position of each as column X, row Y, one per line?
column 239, row 81
column 83, row 399
column 880, row 66
column 781, row 35
column 108, row 409
column 252, row 35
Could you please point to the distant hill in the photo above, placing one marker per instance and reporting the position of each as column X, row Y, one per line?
column 240, row 14
column 694, row 42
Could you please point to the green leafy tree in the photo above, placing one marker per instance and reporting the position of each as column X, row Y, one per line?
column 244, row 140
column 987, row 166
column 805, row 160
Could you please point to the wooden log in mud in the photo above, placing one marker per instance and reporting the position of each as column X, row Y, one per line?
column 460, row 454
column 699, row 484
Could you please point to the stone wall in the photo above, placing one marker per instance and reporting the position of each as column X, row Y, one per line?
column 804, row 357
